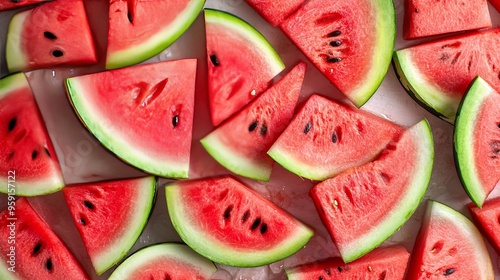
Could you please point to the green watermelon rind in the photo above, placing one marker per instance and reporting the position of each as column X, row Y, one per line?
column 240, row 26
column 159, row 41
column 222, row 253
column 16, row 59
column 430, row 97
column 398, row 214
column 177, row 251
column 25, row 187
column 467, row 114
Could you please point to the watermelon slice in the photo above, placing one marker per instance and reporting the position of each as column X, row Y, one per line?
column 421, row 17
column 349, row 41
column 382, row 263
column 424, row 70
column 326, row 138
column 110, row 216
column 229, row 223
column 241, row 143
column 164, row 261
column 28, row 161
column 495, row 3
column 383, row 194
column 275, row 12
column 143, row 114
column 241, row 63
column 139, row 29
column 486, row 219
column 13, row 4
column 448, row 246
column 31, row 250
column 49, row 35
column 477, row 140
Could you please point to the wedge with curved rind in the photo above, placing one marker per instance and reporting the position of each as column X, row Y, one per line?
column 477, row 140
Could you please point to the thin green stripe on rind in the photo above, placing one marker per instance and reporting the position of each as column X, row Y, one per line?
column 253, row 35
column 111, row 139
column 464, row 138
column 159, row 41
column 180, row 252
column 222, row 253
column 14, row 54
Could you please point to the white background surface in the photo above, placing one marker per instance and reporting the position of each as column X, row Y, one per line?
column 83, row 159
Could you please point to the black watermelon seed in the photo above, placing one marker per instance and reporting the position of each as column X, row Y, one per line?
column 334, row 33
column 129, row 16
column 82, row 221
column 48, row 264
column 416, row 10
column 320, row 278
column 253, row 126
column 327, row 271
column 47, row 152
column 333, row 59
column 227, row 212
column 57, row 53
column 12, row 124
column 308, row 127
column 255, row 224
column 175, row 120
column 89, row 204
column 34, row 154
column 214, row 60
column 15, row 1
column 334, row 137
column 449, row 271
column 245, row 216
column 498, row 125
column 340, row 269
column 263, row 228
column 263, row 129
column 49, row 35
column 37, row 248
column 335, row 43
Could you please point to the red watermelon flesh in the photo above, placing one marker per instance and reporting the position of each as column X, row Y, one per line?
column 27, row 155
column 110, row 216
column 49, row 35
column 241, row 63
column 323, row 139
column 12, row 4
column 144, row 114
column 421, row 17
column 241, row 143
column 486, row 219
column 39, row 253
column 448, row 246
column 275, row 12
column 349, row 41
column 382, row 263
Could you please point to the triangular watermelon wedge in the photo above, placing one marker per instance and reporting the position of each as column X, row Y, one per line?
column 143, row 114
column 140, row 29
column 52, row 34
column 241, row 143
column 31, row 250
column 110, row 216
column 28, row 161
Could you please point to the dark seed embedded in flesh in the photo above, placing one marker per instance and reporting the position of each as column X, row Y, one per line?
column 255, row 224
column 34, row 154
column 340, row 269
column 334, row 137
column 263, row 228
column 82, row 221
column 48, row 264
column 263, row 129
column 335, row 43
column 167, row 277
column 333, row 59
column 37, row 248
column 129, row 16
column 253, row 126
column 245, row 216
column 89, row 204
column 47, row 152
column 227, row 212
column 320, row 278
column 498, row 125
column 327, row 271
column 416, row 10
column 12, row 124
column 57, row 53
column 15, row 1
column 449, row 271
column 334, row 33
column 49, row 35
column 308, row 127
column 175, row 120
column 214, row 60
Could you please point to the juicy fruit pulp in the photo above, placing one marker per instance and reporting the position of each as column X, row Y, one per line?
column 424, row 70
column 110, row 216
column 241, row 143
column 28, row 161
column 477, row 140
column 164, row 261
column 139, row 30
column 324, row 139
column 448, row 245
column 229, row 223
column 39, row 253
column 421, row 17
column 350, row 42
column 143, row 114
column 365, row 205
column 275, row 12
column 486, row 219
column 52, row 34
column 241, row 63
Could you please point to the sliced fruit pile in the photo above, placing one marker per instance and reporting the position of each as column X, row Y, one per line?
column 235, row 112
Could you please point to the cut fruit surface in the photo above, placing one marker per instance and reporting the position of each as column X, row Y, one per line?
column 110, row 216
column 486, row 219
column 143, row 114
column 326, row 138
column 275, row 12
column 229, row 223
column 13, row 4
column 28, row 161
column 241, row 143
column 477, row 140
column 350, row 42
column 50, row 35
column 164, row 261
column 365, row 205
column 139, row 30
column 448, row 245
column 424, row 70
column 241, row 63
